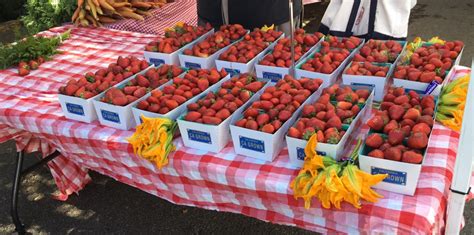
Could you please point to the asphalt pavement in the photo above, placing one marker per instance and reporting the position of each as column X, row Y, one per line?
column 106, row 206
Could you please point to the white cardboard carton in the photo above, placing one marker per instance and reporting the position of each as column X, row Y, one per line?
column 234, row 68
column 158, row 58
column 378, row 83
column 119, row 117
column 261, row 145
column 277, row 73
column 195, row 62
column 211, row 137
column 296, row 146
column 79, row 109
column 328, row 79
column 175, row 113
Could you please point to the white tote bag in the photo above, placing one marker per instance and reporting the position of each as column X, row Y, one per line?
column 382, row 19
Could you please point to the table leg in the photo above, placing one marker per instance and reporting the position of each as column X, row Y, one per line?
column 19, row 227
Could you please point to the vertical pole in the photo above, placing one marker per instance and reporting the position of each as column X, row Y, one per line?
column 292, row 32
column 19, row 227
column 460, row 185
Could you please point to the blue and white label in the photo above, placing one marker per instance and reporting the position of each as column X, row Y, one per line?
column 157, row 61
column 252, row 144
column 394, row 177
column 199, row 136
column 75, row 109
column 431, row 87
column 274, row 77
column 301, row 155
column 110, row 116
column 232, row 72
column 362, row 84
column 192, row 65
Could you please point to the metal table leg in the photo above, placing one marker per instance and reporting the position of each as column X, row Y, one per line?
column 19, row 227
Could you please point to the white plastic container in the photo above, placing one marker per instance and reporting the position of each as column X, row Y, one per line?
column 194, row 62
column 261, row 145
column 119, row 117
column 376, row 82
column 178, row 111
column 328, row 79
column 276, row 73
column 296, row 146
column 158, row 58
column 83, row 110
column 234, row 68
column 211, row 138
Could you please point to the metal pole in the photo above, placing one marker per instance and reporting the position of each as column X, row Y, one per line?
column 19, row 227
column 460, row 185
column 292, row 45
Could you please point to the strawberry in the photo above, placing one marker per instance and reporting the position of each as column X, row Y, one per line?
column 203, row 84
column 263, row 119
column 23, row 71
column 268, row 128
column 376, row 123
column 421, row 127
column 418, row 140
column 426, row 119
column 344, row 105
column 396, row 112
column 293, row 132
column 390, row 126
column 412, row 114
column 412, row 157
column 33, row 65
column 376, row 153
column 395, row 136
column 374, row 140
column 393, row 153
column 401, row 100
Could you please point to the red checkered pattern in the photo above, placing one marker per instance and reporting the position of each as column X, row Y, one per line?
column 30, row 114
column 168, row 15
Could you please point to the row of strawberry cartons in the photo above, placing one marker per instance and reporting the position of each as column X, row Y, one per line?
column 398, row 138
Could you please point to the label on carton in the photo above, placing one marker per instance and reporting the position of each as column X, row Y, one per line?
column 110, row 116
column 156, row 61
column 192, row 65
column 301, row 155
column 252, row 144
column 199, row 136
column 431, row 87
column 272, row 76
column 357, row 84
column 394, row 177
column 75, row 109
column 232, row 72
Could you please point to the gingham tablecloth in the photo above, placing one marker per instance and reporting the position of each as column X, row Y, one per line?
column 30, row 114
column 168, row 15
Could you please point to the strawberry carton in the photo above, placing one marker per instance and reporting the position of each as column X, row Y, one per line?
column 177, row 39
column 241, row 57
column 259, row 131
column 426, row 68
column 203, row 54
column 350, row 43
column 277, row 62
column 368, row 74
column 172, row 99
column 334, row 117
column 114, row 107
column 205, row 125
column 76, row 97
column 380, row 51
column 398, row 138
column 326, row 62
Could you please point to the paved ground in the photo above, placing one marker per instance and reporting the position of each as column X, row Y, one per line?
column 106, row 206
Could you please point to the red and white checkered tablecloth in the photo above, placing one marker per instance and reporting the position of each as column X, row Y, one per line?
column 168, row 15
column 30, row 114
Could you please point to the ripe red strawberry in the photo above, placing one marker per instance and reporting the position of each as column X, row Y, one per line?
column 293, row 132
column 334, row 122
column 401, row 100
column 33, row 64
column 421, row 127
column 374, row 140
column 376, row 153
column 412, row 157
column 390, row 126
column 396, row 112
column 393, row 153
column 376, row 123
column 396, row 136
column 412, row 114
column 418, row 140
column 23, row 71
column 426, row 119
